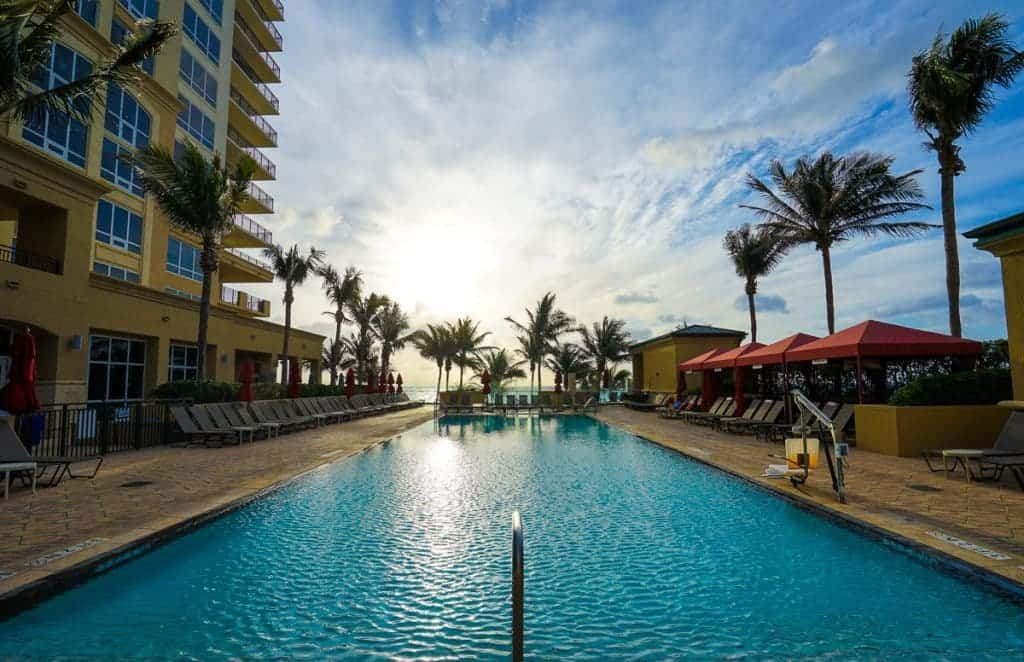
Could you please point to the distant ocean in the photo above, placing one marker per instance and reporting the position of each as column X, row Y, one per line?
column 427, row 393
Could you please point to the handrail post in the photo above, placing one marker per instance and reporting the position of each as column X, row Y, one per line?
column 517, row 587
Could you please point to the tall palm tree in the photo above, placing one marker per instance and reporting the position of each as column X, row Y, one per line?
column 342, row 291
column 545, row 323
column 364, row 311
column 435, row 343
column 566, row 358
column 501, row 367
column 606, row 344
column 28, row 30
column 951, row 89
column 293, row 267
column 335, row 357
column 199, row 196
column 833, row 199
column 755, row 253
column 468, row 341
column 390, row 327
column 529, row 353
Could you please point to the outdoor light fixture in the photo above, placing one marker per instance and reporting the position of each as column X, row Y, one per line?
column 75, row 342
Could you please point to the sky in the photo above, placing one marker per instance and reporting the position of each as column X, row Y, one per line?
column 470, row 155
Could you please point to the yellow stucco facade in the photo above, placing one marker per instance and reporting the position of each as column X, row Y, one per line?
column 71, row 279
column 655, row 361
column 1005, row 240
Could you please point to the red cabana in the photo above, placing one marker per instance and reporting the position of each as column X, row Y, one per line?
column 350, row 383
column 707, row 391
column 777, row 354
column 245, row 376
column 391, row 384
column 20, row 393
column 874, row 339
column 399, row 383
column 727, row 360
column 295, row 380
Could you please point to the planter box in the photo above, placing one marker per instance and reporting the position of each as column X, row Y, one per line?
column 906, row 431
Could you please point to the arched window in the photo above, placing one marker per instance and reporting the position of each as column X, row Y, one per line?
column 57, row 132
column 128, row 127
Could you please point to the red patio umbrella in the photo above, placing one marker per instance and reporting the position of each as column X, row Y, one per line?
column 383, row 385
column 486, row 379
column 391, row 383
column 350, row 383
column 246, row 376
column 558, row 381
column 20, row 393
column 399, row 382
column 295, row 380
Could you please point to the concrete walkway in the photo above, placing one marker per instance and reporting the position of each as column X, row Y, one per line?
column 897, row 495
column 139, row 494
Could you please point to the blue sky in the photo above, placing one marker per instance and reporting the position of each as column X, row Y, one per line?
column 469, row 156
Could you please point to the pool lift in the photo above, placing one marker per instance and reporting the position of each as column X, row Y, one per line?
column 840, row 450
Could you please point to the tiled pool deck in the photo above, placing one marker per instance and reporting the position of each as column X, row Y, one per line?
column 61, row 529
column 897, row 495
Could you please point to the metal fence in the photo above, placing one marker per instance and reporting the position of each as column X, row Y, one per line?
column 78, row 429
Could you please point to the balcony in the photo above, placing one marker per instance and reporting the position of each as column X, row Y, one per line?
column 254, row 130
column 247, row 233
column 258, row 202
column 237, row 147
column 22, row 258
column 265, row 66
column 239, row 267
column 271, row 10
column 266, row 34
column 244, row 303
column 261, row 99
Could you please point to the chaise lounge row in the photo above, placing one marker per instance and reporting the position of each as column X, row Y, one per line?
column 761, row 417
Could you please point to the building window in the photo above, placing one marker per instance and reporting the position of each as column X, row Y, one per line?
column 215, row 7
column 183, row 260
column 196, row 122
column 125, row 118
column 116, row 170
column 120, row 273
column 88, row 9
column 201, row 34
column 118, row 33
column 57, row 132
column 183, row 294
column 141, row 8
column 117, row 369
column 179, row 152
column 183, row 364
column 118, row 227
column 198, row 78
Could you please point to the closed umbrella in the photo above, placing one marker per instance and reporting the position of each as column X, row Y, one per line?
column 558, row 381
column 486, row 379
column 391, row 383
column 350, row 383
column 295, row 380
column 20, row 393
column 383, row 386
column 399, row 382
column 246, row 376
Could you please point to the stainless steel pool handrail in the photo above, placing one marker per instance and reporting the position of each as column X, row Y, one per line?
column 803, row 403
column 517, row 587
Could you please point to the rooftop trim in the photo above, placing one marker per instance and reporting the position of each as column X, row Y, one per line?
column 691, row 331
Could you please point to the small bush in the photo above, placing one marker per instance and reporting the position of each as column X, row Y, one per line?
column 976, row 387
column 200, row 392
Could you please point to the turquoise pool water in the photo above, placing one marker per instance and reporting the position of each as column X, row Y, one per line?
column 632, row 551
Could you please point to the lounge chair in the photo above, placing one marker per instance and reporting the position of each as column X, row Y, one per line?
column 14, row 458
column 748, row 413
column 768, row 414
column 193, row 432
column 325, row 405
column 346, row 404
column 206, row 424
column 266, row 413
column 1010, row 442
column 718, row 407
column 524, row 403
column 221, row 420
column 805, row 422
column 304, row 407
column 712, row 419
column 673, row 410
column 999, row 463
column 287, row 410
column 238, row 413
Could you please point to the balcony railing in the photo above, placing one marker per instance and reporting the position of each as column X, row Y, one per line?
column 250, row 259
column 278, row 39
column 22, row 258
column 255, row 80
column 256, row 155
column 251, row 36
column 228, row 295
column 254, row 228
column 253, row 115
column 261, row 196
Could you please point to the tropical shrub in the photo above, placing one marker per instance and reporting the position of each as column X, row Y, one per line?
column 200, row 391
column 975, row 387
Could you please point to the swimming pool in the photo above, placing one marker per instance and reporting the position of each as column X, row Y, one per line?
column 632, row 551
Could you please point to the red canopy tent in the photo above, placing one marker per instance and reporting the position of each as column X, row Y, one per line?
column 707, row 391
column 295, row 380
column 245, row 377
column 728, row 360
column 874, row 339
column 19, row 396
column 777, row 354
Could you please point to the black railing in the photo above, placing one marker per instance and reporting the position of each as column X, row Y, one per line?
column 22, row 258
column 97, row 428
column 517, row 587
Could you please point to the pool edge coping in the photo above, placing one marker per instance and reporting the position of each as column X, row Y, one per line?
column 957, row 566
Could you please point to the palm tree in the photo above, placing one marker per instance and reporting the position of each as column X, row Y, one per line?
column 468, row 341
column 28, row 30
column 566, row 358
column 529, row 353
column 950, row 86
column 199, row 196
column 833, row 199
column 501, row 367
column 544, row 325
column 335, row 357
column 364, row 311
column 435, row 344
column 293, row 267
column 390, row 327
column 341, row 291
column 605, row 345
column 755, row 253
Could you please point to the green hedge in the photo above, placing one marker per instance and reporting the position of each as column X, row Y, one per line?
column 976, row 387
column 213, row 391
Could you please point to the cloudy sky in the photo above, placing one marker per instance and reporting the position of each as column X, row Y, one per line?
column 470, row 155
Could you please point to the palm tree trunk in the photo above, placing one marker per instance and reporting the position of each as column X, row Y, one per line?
column 437, row 395
column 947, row 173
column 753, row 314
column 208, row 263
column 337, row 343
column 288, row 298
column 830, row 304
column 462, row 366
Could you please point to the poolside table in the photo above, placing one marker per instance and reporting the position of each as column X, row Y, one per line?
column 9, row 467
column 961, row 456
